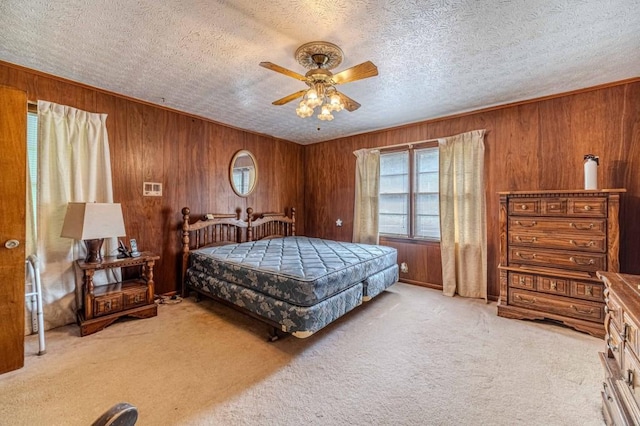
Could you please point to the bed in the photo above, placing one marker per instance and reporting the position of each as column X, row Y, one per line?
column 295, row 284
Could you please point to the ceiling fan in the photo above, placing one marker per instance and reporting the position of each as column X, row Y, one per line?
column 319, row 57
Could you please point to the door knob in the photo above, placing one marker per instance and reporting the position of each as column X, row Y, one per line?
column 11, row 244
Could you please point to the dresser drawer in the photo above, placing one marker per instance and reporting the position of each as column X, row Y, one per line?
column 134, row 296
column 103, row 305
column 553, row 206
column 587, row 290
column 561, row 259
column 596, row 207
column 592, row 243
column 630, row 334
column 614, row 344
column 553, row 285
column 525, row 281
column 575, row 227
column 614, row 310
column 581, row 309
column 524, row 206
column 631, row 376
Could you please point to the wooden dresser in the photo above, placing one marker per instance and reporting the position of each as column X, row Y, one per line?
column 621, row 358
column 551, row 245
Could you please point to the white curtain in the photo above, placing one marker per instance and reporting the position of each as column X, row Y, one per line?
column 463, row 224
column 74, row 166
column 365, row 211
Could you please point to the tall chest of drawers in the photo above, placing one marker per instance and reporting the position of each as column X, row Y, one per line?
column 551, row 245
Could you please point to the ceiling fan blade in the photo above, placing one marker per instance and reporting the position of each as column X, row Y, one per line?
column 358, row 72
column 281, row 70
column 289, row 98
column 349, row 104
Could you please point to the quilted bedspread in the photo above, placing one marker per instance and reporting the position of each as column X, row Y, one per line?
column 299, row 270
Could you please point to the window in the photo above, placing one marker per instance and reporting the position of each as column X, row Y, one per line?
column 32, row 158
column 409, row 192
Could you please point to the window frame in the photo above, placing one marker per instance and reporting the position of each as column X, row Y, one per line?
column 410, row 149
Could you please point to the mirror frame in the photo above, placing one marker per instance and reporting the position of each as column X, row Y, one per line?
column 255, row 165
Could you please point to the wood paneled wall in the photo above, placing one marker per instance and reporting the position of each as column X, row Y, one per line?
column 534, row 145
column 188, row 155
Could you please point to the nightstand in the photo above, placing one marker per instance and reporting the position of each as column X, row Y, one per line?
column 133, row 297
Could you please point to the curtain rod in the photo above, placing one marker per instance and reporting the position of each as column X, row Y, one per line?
column 384, row 148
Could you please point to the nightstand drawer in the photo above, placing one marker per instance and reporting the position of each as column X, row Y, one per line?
column 108, row 304
column 134, row 296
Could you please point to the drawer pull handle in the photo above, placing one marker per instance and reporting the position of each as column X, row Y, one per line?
column 587, row 208
column 588, row 290
column 554, row 285
column 582, row 262
column 526, row 257
column 590, row 311
column 532, row 240
column 580, row 227
column 591, row 243
column 107, row 306
column 521, row 280
column 629, row 379
column 606, row 391
column 523, row 207
column 625, row 332
column 522, row 299
column 533, row 223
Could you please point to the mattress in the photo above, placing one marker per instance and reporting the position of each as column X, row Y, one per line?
column 301, row 321
column 301, row 271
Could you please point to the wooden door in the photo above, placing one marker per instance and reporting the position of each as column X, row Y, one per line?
column 13, row 169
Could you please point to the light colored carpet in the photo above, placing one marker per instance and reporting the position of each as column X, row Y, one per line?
column 409, row 357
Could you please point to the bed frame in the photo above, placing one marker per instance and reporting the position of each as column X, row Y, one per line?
column 220, row 229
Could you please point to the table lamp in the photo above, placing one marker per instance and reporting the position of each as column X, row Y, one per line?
column 93, row 222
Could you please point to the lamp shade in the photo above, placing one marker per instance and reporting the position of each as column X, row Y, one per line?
column 88, row 221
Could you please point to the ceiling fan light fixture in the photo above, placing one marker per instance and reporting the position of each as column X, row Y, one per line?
column 335, row 102
column 320, row 57
column 304, row 110
column 312, row 98
column 325, row 115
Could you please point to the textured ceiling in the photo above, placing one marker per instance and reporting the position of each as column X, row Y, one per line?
column 435, row 57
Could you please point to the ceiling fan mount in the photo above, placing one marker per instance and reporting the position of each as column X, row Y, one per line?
column 319, row 54
column 319, row 57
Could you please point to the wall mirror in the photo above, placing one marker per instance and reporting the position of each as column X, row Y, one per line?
column 243, row 173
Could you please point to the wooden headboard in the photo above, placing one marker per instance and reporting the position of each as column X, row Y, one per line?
column 216, row 229
column 270, row 225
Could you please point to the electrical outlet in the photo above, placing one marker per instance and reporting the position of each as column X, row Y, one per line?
column 404, row 268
